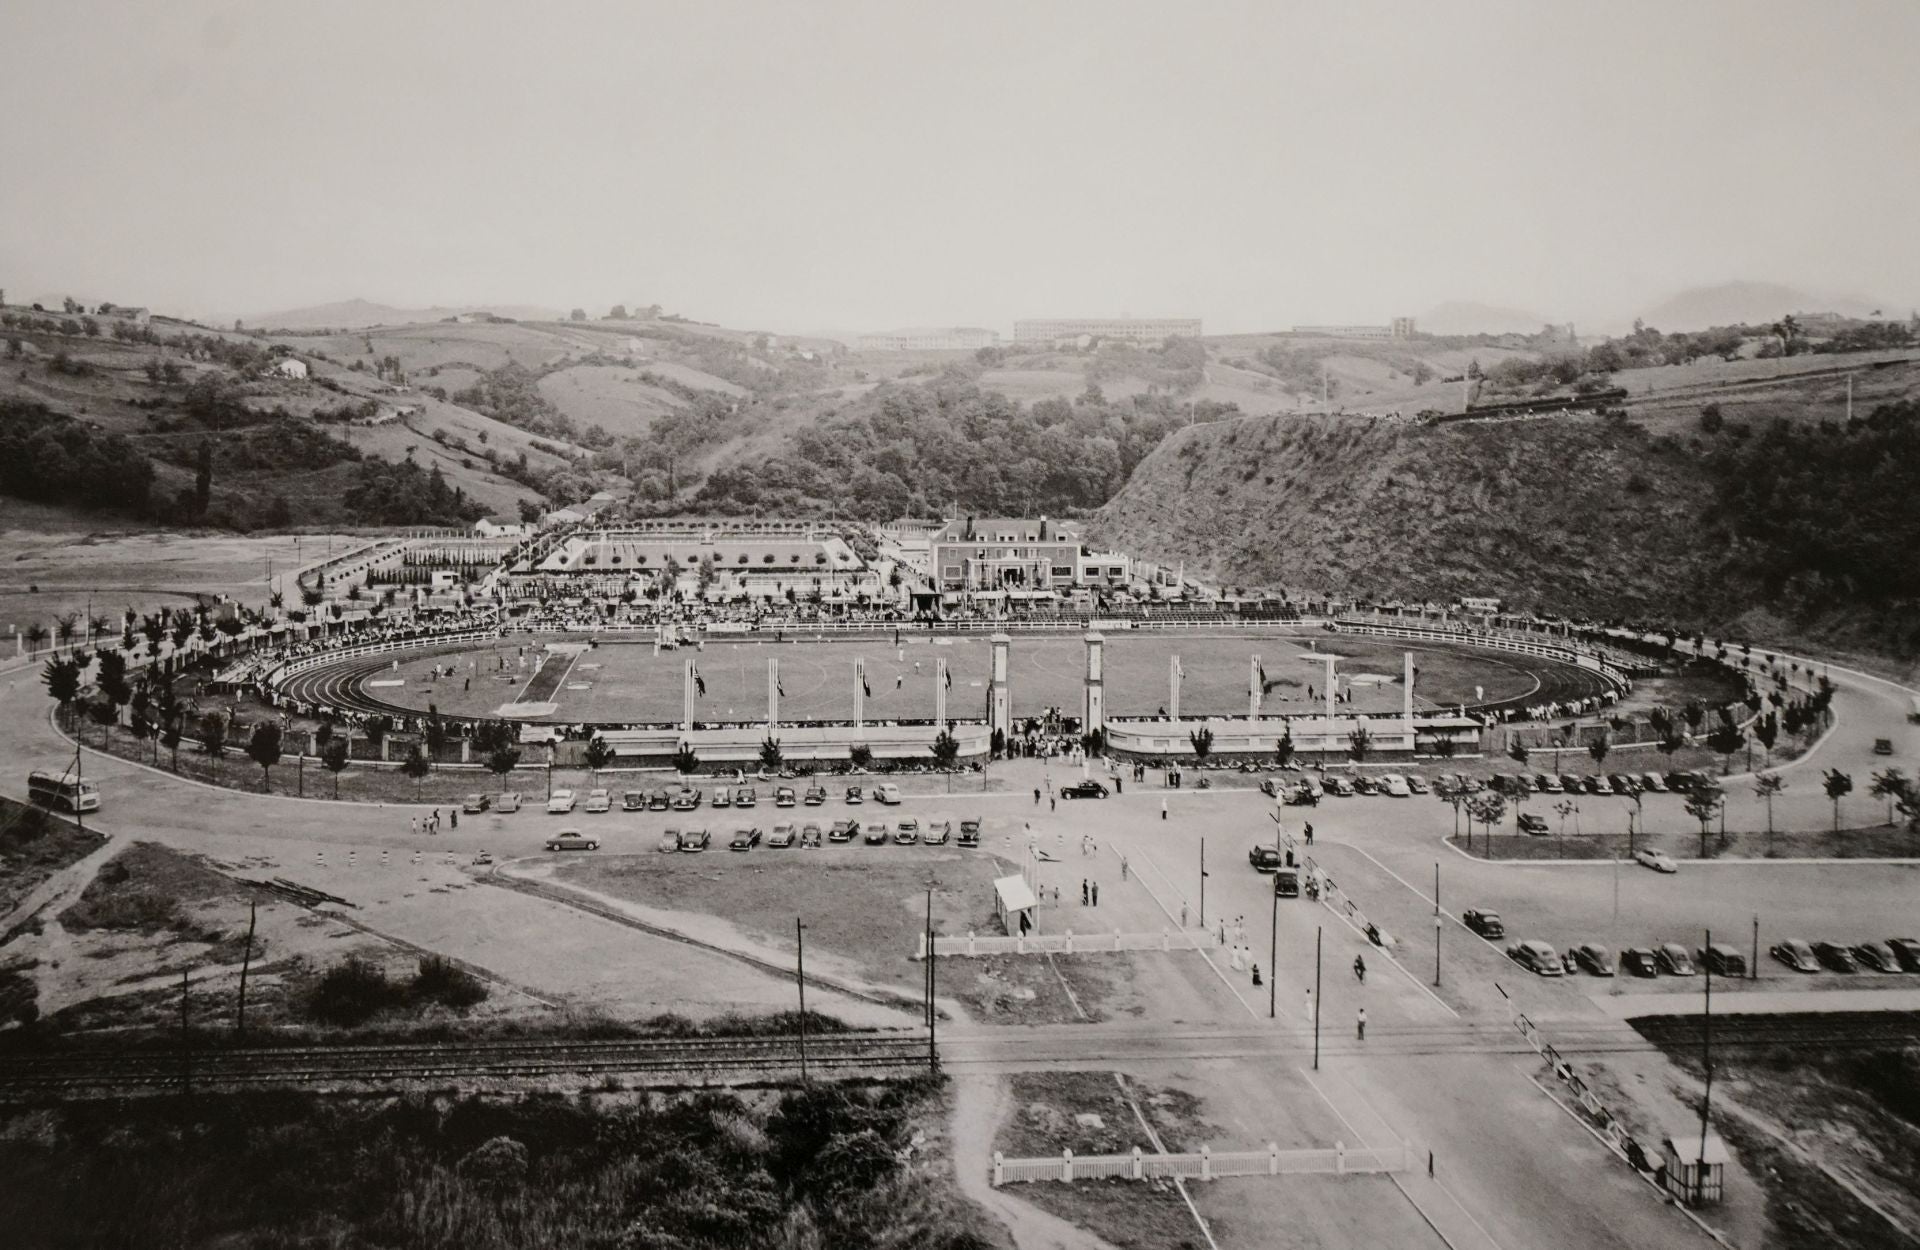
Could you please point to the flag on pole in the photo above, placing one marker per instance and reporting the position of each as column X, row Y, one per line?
column 947, row 674
column 780, row 686
column 1261, row 665
column 699, row 682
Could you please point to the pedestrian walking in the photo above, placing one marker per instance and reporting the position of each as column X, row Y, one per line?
column 1256, row 975
column 1183, row 917
column 1036, row 796
column 413, row 825
column 1123, row 867
column 1096, row 894
column 1083, row 891
column 1119, row 784
column 1163, row 809
column 1053, row 804
column 1309, row 1005
column 1363, row 1024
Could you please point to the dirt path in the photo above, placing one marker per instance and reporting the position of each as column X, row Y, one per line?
column 980, row 1103
column 63, row 886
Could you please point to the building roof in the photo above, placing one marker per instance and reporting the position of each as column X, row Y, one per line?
column 1015, row 894
column 1048, row 530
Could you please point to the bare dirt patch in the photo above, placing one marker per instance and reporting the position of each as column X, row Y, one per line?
column 34, row 845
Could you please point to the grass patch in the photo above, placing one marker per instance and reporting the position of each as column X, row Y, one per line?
column 35, row 844
column 147, row 889
column 824, row 1166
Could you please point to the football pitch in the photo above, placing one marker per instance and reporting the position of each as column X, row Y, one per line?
column 621, row 682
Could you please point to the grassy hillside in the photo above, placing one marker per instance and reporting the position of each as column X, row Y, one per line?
column 1774, row 531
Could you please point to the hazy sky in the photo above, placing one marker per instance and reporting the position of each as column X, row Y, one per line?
column 800, row 166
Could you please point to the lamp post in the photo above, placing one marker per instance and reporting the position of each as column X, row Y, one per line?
column 1273, row 953
column 1436, row 923
column 800, row 975
column 1319, row 1003
column 1203, row 883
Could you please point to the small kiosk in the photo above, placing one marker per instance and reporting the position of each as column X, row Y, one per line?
column 1694, row 1171
column 1013, row 899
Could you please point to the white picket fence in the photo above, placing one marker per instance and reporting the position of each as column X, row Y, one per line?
column 1205, row 1165
column 1068, row 943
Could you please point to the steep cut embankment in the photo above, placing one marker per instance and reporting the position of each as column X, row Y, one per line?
column 1580, row 515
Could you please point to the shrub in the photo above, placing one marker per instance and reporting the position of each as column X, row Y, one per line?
column 440, row 980
column 349, row 993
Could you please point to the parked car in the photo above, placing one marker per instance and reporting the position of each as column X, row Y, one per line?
column 1795, row 954
column 1723, row 960
column 686, row 800
column 659, row 800
column 1547, row 783
column 1835, row 957
column 474, row 804
column 782, row 835
column 938, row 832
column 907, row 832
column 670, row 840
column 744, row 839
column 1569, row 784
column 970, row 832
column 1272, row 787
column 633, row 801
column 1653, row 783
column 816, row 795
column 810, row 834
column 1623, row 784
column 1679, row 781
column 1537, row 957
column 599, row 800
column 572, row 840
column 1364, row 784
column 843, row 831
column 1594, row 959
column 1529, row 822
column 888, row 793
column 1877, row 956
column 507, row 804
column 745, row 796
column 1286, row 882
column 1486, row 923
column 1340, row 787
column 1264, row 858
column 784, row 796
column 855, row 795
column 722, row 797
column 561, row 803
column 1598, row 785
column 1659, row 861
column 876, row 833
column 1674, row 960
column 1395, row 786
column 1522, row 784
column 1418, row 785
column 695, row 840
column 1088, row 789
column 1883, row 746
column 1638, row 961
column 1907, row 951
column 482, row 859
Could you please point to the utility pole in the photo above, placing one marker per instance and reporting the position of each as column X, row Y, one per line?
column 246, row 960
column 1706, row 1101
column 800, row 975
column 1203, row 883
column 933, row 1054
column 1273, row 955
column 1436, row 923
column 79, row 815
column 1753, row 965
column 1319, row 1003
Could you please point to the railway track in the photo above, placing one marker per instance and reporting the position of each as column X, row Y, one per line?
column 662, row 1061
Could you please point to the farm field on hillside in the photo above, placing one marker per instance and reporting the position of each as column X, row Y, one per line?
column 611, row 396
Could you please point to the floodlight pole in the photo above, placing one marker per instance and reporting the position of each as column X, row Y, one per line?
column 1319, row 1004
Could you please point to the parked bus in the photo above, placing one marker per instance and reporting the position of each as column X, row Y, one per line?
column 63, row 792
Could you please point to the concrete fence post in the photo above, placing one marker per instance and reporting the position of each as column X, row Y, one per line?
column 1206, row 1162
column 920, row 951
column 1273, row 1158
column 1340, row 1158
column 466, row 751
column 970, row 942
column 1137, row 1170
column 1019, row 943
column 999, row 1169
column 1069, row 939
column 1165, row 941
column 1066, row 1165
column 1116, row 939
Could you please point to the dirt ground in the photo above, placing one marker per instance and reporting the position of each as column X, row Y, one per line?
column 33, row 846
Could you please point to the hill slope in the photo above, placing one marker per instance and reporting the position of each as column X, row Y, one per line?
column 1585, row 516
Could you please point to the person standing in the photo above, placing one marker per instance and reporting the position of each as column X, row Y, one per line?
column 1036, row 796
column 1053, row 804
column 1362, row 1023
column 1309, row 1004
column 413, row 825
column 1083, row 891
column 1163, row 808
column 1096, row 894
column 453, row 817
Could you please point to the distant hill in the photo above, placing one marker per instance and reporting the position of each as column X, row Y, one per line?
column 1465, row 317
column 353, row 314
column 1749, row 303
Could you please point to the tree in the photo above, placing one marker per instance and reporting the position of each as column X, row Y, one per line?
column 946, row 749
column 1726, row 739
column 416, row 767
column 1889, row 785
column 334, row 754
column 770, row 753
column 1598, row 749
column 597, row 755
column 213, row 734
column 66, row 625
column 1202, row 740
column 62, row 678
column 435, row 734
column 202, row 477
column 1444, row 748
column 377, row 728
column 501, row 761
column 1359, row 742
column 1283, row 749
column 36, row 637
column 1837, row 785
column 1766, row 731
column 685, row 762
column 1765, row 787
column 1518, row 753
column 1704, row 801
column 861, row 756
column 263, row 748
column 578, row 314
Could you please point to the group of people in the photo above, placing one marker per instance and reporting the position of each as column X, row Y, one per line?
column 430, row 823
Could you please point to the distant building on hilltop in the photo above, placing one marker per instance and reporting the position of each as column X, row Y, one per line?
column 930, row 339
column 1020, row 555
column 288, row 367
column 1403, row 327
column 1047, row 332
column 1400, row 328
